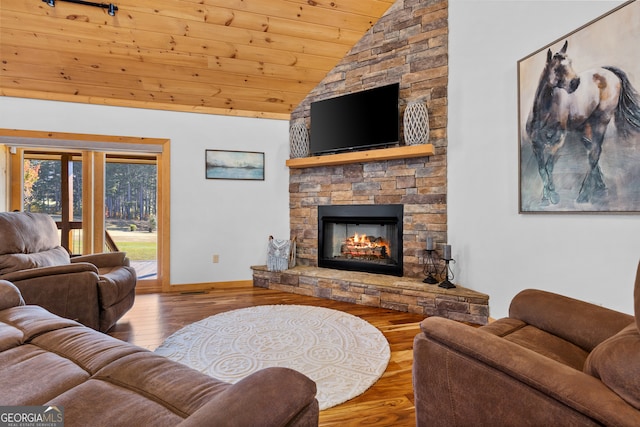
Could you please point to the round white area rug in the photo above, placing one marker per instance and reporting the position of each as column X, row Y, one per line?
column 342, row 353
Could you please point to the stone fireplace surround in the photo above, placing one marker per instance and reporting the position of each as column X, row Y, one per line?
column 418, row 184
column 409, row 44
column 378, row 290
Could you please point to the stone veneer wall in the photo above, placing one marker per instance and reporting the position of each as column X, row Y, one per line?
column 409, row 45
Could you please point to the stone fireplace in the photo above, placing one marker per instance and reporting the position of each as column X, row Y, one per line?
column 409, row 45
column 364, row 238
column 417, row 184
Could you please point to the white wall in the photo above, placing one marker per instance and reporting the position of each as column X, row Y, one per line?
column 225, row 217
column 499, row 251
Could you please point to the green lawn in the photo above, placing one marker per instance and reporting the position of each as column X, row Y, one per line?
column 139, row 251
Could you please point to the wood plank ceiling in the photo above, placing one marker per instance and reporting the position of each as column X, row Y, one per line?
column 256, row 58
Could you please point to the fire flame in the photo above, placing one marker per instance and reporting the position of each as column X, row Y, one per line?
column 357, row 239
column 359, row 245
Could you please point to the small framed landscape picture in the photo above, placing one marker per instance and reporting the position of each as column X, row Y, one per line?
column 223, row 164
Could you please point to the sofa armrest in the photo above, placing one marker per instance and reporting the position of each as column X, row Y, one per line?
column 579, row 322
column 106, row 259
column 10, row 295
column 466, row 376
column 271, row 397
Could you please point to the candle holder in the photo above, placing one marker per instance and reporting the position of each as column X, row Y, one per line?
column 430, row 268
column 446, row 283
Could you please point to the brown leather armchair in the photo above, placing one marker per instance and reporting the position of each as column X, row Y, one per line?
column 96, row 290
column 553, row 361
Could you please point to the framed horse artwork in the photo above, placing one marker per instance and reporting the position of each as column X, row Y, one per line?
column 579, row 119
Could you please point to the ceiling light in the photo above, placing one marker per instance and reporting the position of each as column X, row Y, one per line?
column 111, row 8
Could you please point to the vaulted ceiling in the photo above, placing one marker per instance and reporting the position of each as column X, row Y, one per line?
column 256, row 58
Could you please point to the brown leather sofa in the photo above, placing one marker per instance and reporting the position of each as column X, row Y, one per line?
column 555, row 361
column 46, row 360
column 96, row 290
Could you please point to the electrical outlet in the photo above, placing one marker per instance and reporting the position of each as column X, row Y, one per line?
column 216, row 258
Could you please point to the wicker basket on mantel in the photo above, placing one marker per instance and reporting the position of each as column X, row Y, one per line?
column 298, row 139
column 416, row 123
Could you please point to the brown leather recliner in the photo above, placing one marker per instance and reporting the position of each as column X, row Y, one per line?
column 553, row 361
column 96, row 290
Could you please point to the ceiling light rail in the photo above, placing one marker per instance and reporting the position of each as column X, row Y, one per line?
column 111, row 8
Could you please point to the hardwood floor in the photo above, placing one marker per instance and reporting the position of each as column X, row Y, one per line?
column 389, row 402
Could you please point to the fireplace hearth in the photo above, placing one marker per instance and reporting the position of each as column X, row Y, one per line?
column 365, row 238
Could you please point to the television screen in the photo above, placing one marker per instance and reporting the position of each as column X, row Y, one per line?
column 355, row 121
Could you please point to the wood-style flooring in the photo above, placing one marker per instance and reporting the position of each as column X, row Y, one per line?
column 389, row 402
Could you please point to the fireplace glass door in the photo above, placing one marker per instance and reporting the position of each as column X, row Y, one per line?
column 360, row 242
column 369, row 241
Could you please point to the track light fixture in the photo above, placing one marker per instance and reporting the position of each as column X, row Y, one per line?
column 111, row 8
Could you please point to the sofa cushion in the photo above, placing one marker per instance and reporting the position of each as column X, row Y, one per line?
column 10, row 337
column 503, row 327
column 40, row 228
column 29, row 240
column 33, row 320
column 34, row 376
column 539, row 341
column 101, row 403
column 87, row 348
column 616, row 362
column 152, row 375
column 21, row 261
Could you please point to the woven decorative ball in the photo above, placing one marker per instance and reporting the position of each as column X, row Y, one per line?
column 298, row 140
column 416, row 123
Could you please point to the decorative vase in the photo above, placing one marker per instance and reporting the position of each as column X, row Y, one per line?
column 298, row 139
column 416, row 123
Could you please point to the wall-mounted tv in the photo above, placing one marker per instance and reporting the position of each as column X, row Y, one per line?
column 355, row 121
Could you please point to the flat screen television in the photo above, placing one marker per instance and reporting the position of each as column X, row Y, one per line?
column 355, row 121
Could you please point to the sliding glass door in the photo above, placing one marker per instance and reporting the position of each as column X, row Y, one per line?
column 106, row 193
column 131, row 210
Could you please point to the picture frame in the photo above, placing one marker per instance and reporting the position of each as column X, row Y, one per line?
column 239, row 165
column 579, row 119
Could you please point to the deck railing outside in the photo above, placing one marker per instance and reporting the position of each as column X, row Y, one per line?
column 72, row 241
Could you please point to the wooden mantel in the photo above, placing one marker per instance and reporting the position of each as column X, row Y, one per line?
column 403, row 152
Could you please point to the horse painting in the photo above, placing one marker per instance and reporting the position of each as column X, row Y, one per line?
column 584, row 104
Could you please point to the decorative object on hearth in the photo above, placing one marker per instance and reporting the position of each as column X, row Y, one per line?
column 342, row 353
column 281, row 254
column 298, row 139
column 416, row 123
column 430, row 268
column 447, row 273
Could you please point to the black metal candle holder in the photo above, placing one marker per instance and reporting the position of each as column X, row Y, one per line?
column 430, row 268
column 446, row 283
